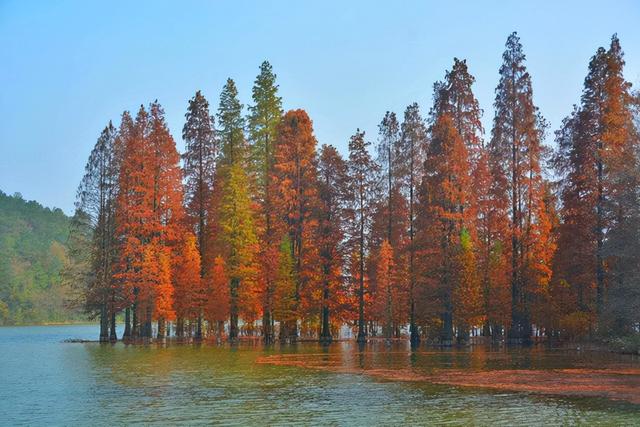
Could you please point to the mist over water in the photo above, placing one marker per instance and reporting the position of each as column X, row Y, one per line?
column 46, row 381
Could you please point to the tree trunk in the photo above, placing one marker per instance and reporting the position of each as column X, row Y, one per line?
column 388, row 321
column 127, row 324
column 486, row 329
column 161, row 329
column 463, row 334
column 233, row 309
column 325, row 332
column 104, row 323
column 515, row 331
column 198, row 334
column 180, row 327
column 147, row 323
column 113, row 337
column 362, row 335
column 220, row 331
column 446, row 338
column 599, row 239
column 267, row 327
column 415, row 336
column 135, row 324
column 285, row 332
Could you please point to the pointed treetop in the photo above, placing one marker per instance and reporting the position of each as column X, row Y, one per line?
column 231, row 123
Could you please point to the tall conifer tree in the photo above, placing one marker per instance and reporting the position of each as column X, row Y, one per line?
column 264, row 117
column 296, row 200
column 413, row 145
column 333, row 194
column 516, row 154
column 363, row 176
column 199, row 168
column 95, row 204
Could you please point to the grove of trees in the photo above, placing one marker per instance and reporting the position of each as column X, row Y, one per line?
column 32, row 253
column 435, row 230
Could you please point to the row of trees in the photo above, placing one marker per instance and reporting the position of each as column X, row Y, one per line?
column 444, row 231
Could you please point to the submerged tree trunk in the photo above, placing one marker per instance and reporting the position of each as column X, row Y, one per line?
column 362, row 335
column 599, row 239
column 198, row 334
column 463, row 334
column 486, row 329
column 233, row 310
column 127, row 323
column 180, row 327
column 267, row 317
column 147, row 323
column 285, row 333
column 325, row 331
column 220, row 331
column 161, row 329
column 267, row 331
column 104, row 323
column 113, row 336
column 135, row 326
column 388, row 316
column 446, row 337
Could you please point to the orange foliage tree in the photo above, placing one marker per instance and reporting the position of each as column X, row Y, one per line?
column 445, row 216
column 516, row 156
column 134, row 211
column 450, row 236
column 296, row 199
column 217, row 308
column 333, row 194
column 189, row 292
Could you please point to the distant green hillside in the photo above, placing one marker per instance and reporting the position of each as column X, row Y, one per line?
column 32, row 254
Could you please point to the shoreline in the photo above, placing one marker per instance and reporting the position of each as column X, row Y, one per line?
column 591, row 346
column 66, row 323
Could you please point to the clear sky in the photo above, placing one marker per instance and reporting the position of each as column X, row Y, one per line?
column 68, row 67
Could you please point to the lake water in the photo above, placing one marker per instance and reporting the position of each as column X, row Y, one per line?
column 44, row 381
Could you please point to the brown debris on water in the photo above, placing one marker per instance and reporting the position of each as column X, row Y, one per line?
column 617, row 383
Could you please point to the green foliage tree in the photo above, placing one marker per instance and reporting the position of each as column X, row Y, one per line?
column 238, row 238
column 263, row 120
column 33, row 252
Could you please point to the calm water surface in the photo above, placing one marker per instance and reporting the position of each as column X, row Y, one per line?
column 44, row 381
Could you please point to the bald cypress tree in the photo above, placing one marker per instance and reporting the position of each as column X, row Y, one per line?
column 199, row 167
column 516, row 153
column 333, row 195
column 362, row 174
column 295, row 181
column 237, row 238
column 444, row 199
column 263, row 120
column 166, row 223
column 95, row 208
column 597, row 161
column 388, row 159
column 134, row 212
column 413, row 144
column 236, row 234
column 454, row 96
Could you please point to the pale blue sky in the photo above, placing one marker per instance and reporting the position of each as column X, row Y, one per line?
column 67, row 67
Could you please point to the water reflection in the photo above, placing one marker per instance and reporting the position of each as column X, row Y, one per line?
column 47, row 382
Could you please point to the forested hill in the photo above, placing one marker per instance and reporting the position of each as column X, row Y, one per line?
column 32, row 254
